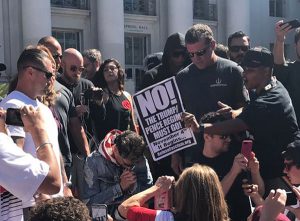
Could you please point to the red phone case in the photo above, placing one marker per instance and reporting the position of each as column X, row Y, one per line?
column 247, row 148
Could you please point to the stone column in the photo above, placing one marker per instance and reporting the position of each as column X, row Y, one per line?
column 111, row 29
column 180, row 15
column 36, row 20
column 238, row 16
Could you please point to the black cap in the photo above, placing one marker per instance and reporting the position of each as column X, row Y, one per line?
column 258, row 56
column 2, row 67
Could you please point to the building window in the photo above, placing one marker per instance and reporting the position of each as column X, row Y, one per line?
column 205, row 10
column 140, row 7
column 137, row 47
column 276, row 8
column 76, row 4
column 68, row 38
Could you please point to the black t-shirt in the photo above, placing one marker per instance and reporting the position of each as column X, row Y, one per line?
column 271, row 119
column 289, row 75
column 201, row 89
column 238, row 203
column 118, row 115
column 77, row 90
column 64, row 109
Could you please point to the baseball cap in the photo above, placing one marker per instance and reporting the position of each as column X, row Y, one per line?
column 2, row 67
column 258, row 56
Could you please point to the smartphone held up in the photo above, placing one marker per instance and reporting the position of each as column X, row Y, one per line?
column 13, row 117
column 294, row 23
column 246, row 149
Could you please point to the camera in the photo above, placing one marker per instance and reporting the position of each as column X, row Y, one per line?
column 93, row 94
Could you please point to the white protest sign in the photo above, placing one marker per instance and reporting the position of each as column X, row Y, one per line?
column 159, row 109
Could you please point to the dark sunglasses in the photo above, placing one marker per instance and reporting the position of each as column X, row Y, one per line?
column 74, row 68
column 244, row 48
column 110, row 68
column 224, row 137
column 177, row 54
column 56, row 56
column 48, row 74
column 199, row 53
column 288, row 166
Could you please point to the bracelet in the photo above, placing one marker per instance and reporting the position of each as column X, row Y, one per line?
column 42, row 145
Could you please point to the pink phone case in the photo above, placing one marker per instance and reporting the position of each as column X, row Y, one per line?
column 247, row 148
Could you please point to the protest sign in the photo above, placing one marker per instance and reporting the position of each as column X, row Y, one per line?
column 159, row 109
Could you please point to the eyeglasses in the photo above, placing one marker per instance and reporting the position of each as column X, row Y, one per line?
column 177, row 54
column 74, row 68
column 244, row 48
column 288, row 166
column 199, row 53
column 56, row 56
column 224, row 137
column 48, row 74
column 110, row 68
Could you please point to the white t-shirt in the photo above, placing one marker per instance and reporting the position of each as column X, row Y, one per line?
column 17, row 99
column 21, row 174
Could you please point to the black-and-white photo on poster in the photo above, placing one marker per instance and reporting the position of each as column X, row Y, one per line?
column 159, row 109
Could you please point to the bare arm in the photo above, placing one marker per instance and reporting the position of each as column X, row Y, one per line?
column 34, row 123
column 79, row 136
column 228, row 127
column 162, row 184
column 278, row 51
column 239, row 164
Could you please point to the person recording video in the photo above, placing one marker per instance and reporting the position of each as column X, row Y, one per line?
column 21, row 174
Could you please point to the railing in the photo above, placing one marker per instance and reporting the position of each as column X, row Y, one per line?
column 140, row 7
column 75, row 4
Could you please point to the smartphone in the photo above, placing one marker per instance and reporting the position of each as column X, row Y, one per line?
column 99, row 212
column 13, row 117
column 294, row 23
column 291, row 196
column 247, row 148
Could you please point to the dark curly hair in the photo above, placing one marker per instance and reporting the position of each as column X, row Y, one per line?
column 99, row 80
column 212, row 117
column 131, row 146
column 60, row 209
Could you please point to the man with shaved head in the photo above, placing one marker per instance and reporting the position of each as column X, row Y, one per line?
column 72, row 66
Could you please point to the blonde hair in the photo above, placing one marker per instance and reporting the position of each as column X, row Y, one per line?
column 199, row 195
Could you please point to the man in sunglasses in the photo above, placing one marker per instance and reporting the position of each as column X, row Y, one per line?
column 174, row 59
column 230, row 165
column 116, row 170
column 72, row 65
column 36, row 69
column 210, row 83
column 291, row 158
column 238, row 45
column 65, row 112
column 269, row 117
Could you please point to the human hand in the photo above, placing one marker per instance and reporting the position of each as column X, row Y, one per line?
column 274, row 204
column 165, row 183
column 32, row 119
column 2, row 121
column 190, row 121
column 240, row 163
column 281, row 30
column 295, row 211
column 176, row 163
column 81, row 110
column 253, row 164
column 127, row 180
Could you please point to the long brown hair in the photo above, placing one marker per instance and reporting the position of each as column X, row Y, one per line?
column 199, row 195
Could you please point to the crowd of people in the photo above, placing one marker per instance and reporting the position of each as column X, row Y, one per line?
column 77, row 144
